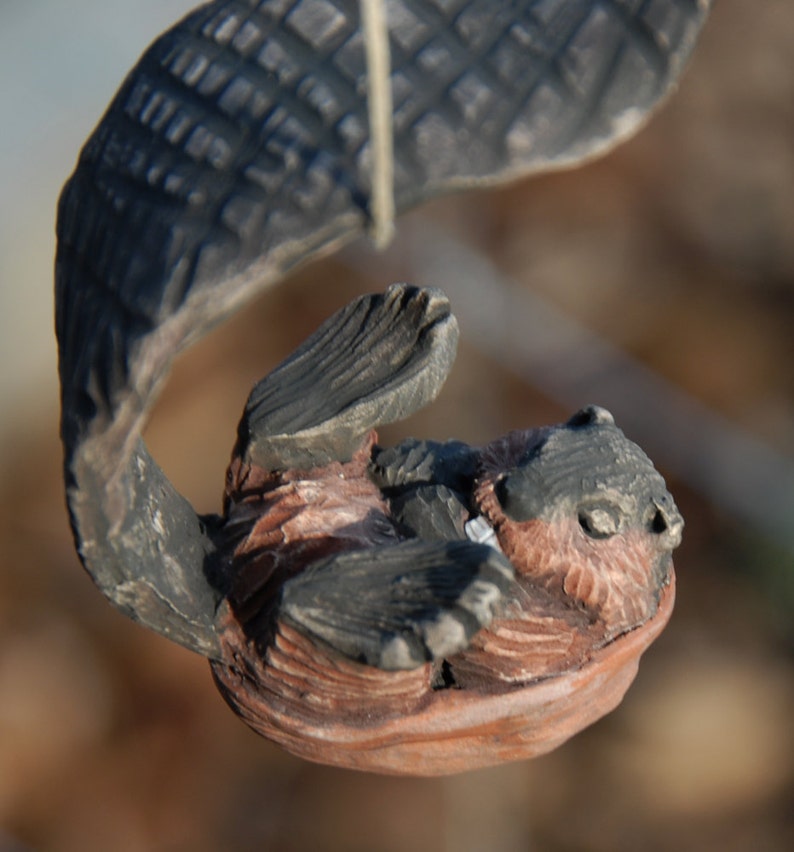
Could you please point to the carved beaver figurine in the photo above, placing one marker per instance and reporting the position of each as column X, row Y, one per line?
column 431, row 607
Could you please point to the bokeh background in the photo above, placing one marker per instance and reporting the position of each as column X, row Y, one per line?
column 675, row 252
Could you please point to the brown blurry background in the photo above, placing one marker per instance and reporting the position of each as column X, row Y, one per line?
column 678, row 248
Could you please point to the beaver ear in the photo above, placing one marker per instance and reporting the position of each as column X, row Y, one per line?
column 377, row 360
column 400, row 606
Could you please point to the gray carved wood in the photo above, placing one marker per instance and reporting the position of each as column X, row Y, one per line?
column 238, row 148
column 376, row 361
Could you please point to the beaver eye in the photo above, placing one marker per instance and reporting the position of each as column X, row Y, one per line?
column 601, row 521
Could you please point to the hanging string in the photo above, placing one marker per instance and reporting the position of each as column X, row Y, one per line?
column 379, row 106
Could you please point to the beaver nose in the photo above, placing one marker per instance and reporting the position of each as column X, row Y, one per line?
column 666, row 522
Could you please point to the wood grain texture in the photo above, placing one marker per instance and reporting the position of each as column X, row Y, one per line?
column 237, row 148
column 349, row 634
column 395, row 723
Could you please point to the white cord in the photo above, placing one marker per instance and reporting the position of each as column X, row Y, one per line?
column 379, row 106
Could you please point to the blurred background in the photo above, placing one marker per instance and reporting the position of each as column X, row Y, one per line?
column 661, row 279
